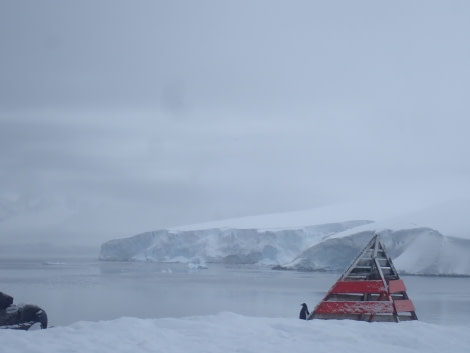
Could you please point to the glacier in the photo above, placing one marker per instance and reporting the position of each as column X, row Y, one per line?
column 430, row 241
column 325, row 247
column 221, row 245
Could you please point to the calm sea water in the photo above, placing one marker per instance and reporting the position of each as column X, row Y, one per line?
column 73, row 290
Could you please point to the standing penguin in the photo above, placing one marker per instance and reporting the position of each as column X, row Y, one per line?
column 304, row 312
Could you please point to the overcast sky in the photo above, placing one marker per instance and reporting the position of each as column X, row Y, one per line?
column 121, row 117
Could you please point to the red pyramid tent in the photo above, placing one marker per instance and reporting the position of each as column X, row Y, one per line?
column 369, row 290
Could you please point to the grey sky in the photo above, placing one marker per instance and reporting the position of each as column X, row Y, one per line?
column 120, row 117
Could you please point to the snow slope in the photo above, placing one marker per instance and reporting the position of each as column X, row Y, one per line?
column 228, row 332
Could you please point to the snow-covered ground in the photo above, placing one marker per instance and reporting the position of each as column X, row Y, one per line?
column 229, row 332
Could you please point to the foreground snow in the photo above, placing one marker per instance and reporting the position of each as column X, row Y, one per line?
column 228, row 332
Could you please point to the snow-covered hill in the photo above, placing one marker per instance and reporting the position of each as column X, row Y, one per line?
column 432, row 241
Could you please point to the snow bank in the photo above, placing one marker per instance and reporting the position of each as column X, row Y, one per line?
column 228, row 332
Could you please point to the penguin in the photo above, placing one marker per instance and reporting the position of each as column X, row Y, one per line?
column 304, row 312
